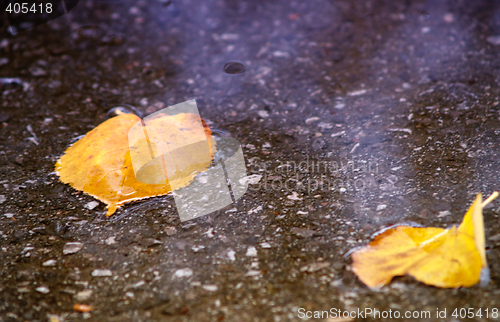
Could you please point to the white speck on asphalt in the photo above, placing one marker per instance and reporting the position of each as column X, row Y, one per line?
column 210, row 288
column 357, row 93
column 443, row 214
column 263, row 113
column 253, row 272
column 102, row 272
column 91, row 205
column 43, row 289
column 229, row 37
column 337, row 134
column 265, row 245
column 354, row 148
column 71, row 248
column 255, row 210
column 50, row 262
column 136, row 285
column 314, row 267
column 209, row 233
column 303, row 232
column 312, row 119
column 231, row 255
column 183, row 272
column 251, row 251
column 294, row 196
column 325, row 126
column 110, row 240
column 494, row 40
column 280, row 54
column 83, row 295
column 339, row 106
column 170, row 230
column 449, row 18
column 400, row 130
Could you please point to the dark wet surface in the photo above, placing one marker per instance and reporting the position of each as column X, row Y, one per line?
column 385, row 112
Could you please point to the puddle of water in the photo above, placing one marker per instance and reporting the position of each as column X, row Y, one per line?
column 402, row 143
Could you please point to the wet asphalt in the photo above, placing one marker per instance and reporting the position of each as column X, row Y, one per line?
column 355, row 115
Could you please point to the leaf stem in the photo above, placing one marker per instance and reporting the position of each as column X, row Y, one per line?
column 490, row 199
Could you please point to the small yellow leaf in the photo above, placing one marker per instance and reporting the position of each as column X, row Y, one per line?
column 100, row 163
column 444, row 258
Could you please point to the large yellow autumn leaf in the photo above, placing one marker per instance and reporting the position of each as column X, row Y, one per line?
column 444, row 258
column 100, row 163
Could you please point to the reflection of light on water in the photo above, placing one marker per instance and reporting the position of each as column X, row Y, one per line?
column 123, row 109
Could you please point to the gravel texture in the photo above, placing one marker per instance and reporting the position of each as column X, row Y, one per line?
column 352, row 115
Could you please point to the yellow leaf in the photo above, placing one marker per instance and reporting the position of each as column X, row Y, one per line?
column 444, row 258
column 100, row 163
